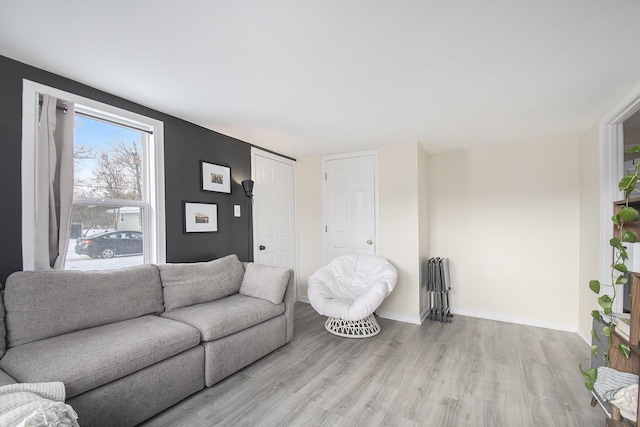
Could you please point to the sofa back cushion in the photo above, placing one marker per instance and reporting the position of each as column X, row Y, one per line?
column 194, row 283
column 266, row 282
column 43, row 304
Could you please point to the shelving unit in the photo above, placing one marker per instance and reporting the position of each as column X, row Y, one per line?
column 617, row 359
column 634, row 202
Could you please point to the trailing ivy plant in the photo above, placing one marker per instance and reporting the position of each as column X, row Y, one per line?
column 621, row 220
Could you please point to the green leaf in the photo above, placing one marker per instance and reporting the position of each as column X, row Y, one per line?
column 616, row 220
column 616, row 243
column 621, row 280
column 629, row 236
column 589, row 385
column 594, row 285
column 635, row 149
column 621, row 268
column 623, row 253
column 627, row 182
column 595, row 335
column 594, row 350
column 624, row 349
column 585, row 374
column 606, row 331
column 605, row 301
column 628, row 214
column 596, row 315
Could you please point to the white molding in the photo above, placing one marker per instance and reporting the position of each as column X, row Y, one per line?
column 586, row 336
column 628, row 106
column 611, row 170
column 28, row 171
column 517, row 320
column 304, row 299
column 275, row 157
column 30, row 97
column 423, row 315
column 399, row 317
column 376, row 195
column 418, row 320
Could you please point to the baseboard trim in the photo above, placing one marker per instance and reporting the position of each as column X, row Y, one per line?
column 419, row 320
column 586, row 336
column 399, row 317
column 517, row 320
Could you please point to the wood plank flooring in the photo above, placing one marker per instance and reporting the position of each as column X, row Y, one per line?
column 471, row 372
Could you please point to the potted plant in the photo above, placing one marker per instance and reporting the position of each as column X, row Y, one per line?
column 607, row 292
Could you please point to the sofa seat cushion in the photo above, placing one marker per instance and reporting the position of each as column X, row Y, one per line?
column 217, row 319
column 87, row 359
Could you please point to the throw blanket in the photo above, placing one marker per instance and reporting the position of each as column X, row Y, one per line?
column 609, row 381
column 31, row 405
column 626, row 399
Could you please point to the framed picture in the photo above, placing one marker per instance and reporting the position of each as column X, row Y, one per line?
column 200, row 217
column 215, row 177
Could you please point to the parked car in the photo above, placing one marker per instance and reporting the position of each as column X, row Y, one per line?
column 108, row 245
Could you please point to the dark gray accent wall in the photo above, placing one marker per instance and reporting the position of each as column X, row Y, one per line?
column 185, row 145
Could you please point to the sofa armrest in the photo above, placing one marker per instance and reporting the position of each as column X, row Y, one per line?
column 289, row 302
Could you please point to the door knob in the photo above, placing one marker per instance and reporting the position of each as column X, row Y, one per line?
column 369, row 242
column 261, row 247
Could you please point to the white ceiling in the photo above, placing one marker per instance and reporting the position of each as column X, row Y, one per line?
column 328, row 76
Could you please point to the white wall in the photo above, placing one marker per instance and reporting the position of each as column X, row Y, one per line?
column 403, row 223
column 589, row 228
column 400, row 228
column 309, row 211
column 423, row 221
column 508, row 219
column 517, row 223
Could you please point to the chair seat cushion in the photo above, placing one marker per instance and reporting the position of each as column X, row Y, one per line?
column 92, row 357
column 351, row 287
column 217, row 319
column 327, row 303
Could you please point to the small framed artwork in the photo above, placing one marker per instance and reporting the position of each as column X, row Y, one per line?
column 215, row 177
column 200, row 217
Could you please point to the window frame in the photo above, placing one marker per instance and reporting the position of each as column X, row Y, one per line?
column 153, row 176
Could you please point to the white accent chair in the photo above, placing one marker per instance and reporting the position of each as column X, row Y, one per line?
column 348, row 290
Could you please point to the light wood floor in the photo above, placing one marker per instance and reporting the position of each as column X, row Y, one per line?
column 471, row 372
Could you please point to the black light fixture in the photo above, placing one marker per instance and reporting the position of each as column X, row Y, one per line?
column 247, row 186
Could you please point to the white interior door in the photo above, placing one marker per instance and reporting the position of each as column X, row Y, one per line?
column 274, row 211
column 350, row 206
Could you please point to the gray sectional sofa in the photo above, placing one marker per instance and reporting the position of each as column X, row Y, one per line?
column 132, row 342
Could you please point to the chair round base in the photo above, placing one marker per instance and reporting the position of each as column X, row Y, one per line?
column 364, row 328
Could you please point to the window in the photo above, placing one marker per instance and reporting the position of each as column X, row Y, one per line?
column 117, row 217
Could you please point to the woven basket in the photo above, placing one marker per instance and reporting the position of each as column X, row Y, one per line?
column 364, row 328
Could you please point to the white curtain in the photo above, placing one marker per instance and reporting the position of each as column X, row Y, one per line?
column 54, row 184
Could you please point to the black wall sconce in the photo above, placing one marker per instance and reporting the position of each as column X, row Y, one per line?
column 247, row 186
